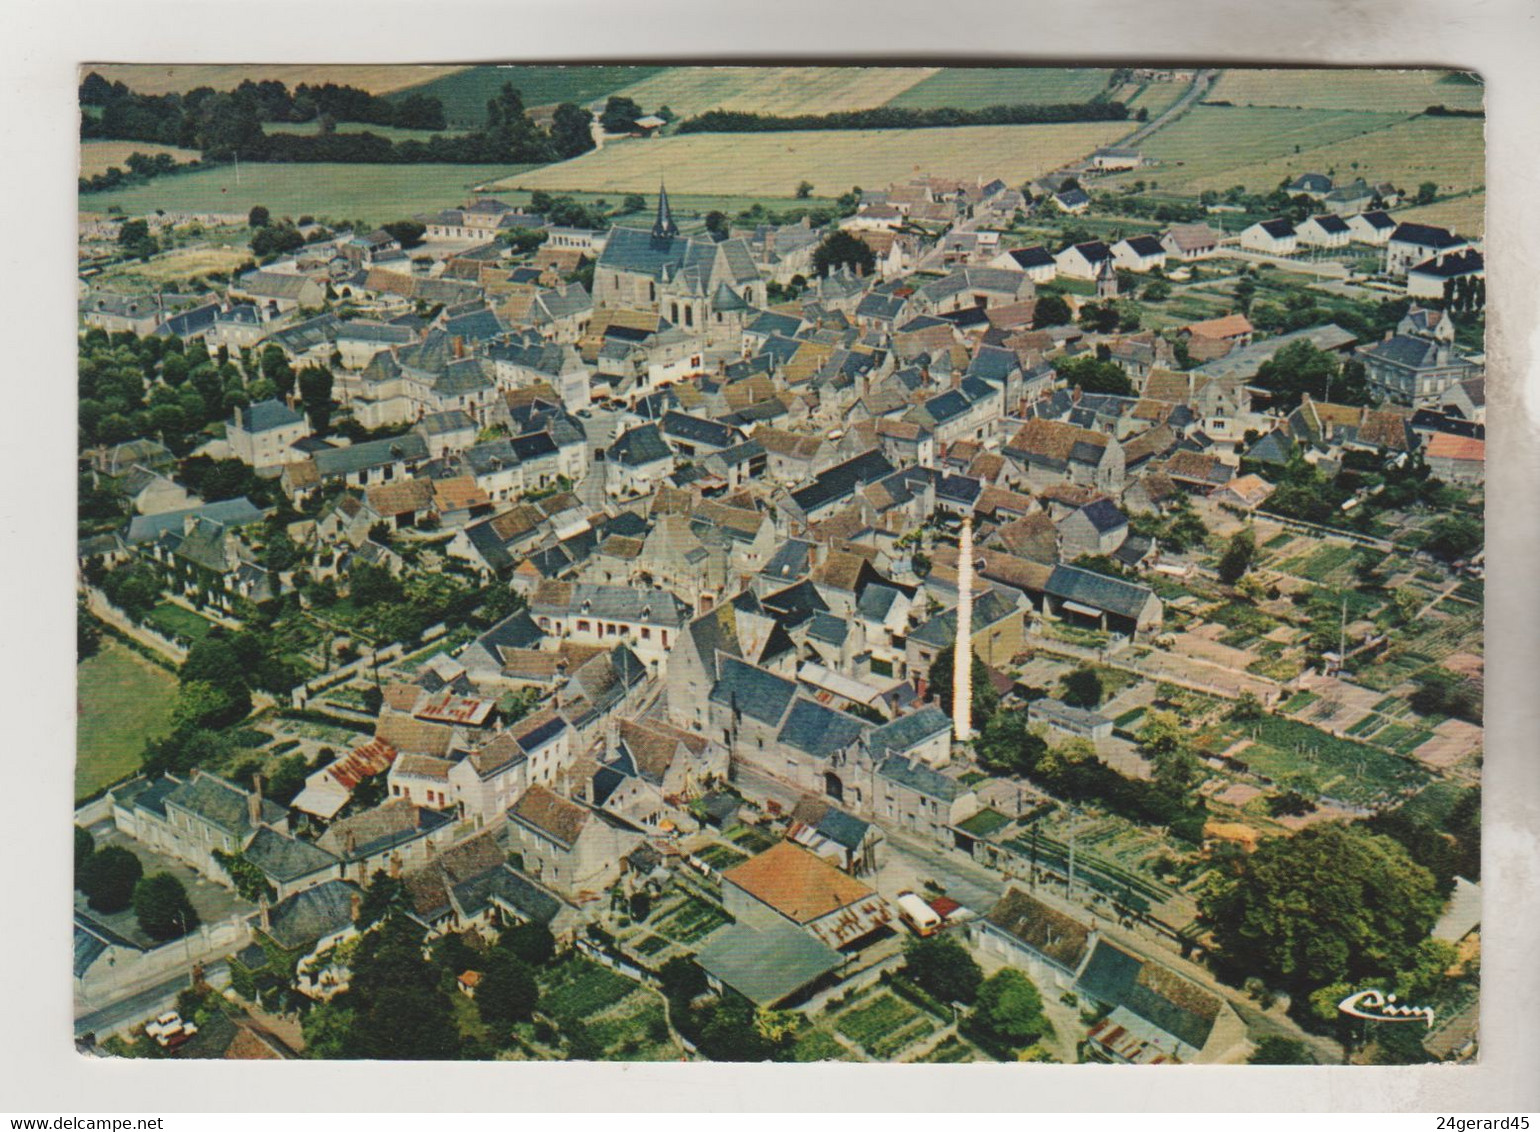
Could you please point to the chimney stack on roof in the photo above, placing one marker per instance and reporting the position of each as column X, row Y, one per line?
column 264, row 918
column 254, row 800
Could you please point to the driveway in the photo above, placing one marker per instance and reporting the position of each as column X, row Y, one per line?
column 215, row 903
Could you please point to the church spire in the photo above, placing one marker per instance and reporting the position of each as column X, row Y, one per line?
column 664, row 226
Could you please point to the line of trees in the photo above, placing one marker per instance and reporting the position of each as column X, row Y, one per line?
column 142, row 167
column 223, row 125
column 903, row 118
column 274, row 102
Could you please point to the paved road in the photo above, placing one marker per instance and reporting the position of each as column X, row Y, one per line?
column 126, row 1013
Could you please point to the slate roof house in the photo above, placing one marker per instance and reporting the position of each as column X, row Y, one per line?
column 1110, row 603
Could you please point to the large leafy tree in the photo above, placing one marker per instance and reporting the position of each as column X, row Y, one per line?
column 943, row 967
column 1332, row 903
column 162, row 907
column 1007, row 745
column 530, row 943
column 108, row 878
column 570, row 130
column 985, row 698
column 1010, row 1009
column 507, row 992
column 841, row 249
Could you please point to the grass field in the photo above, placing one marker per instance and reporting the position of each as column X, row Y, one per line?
column 121, row 700
column 1155, row 97
column 174, row 622
column 1217, row 147
column 1368, row 89
column 688, row 91
column 371, row 193
column 98, row 156
column 466, row 91
column 972, row 88
column 155, row 78
column 833, row 161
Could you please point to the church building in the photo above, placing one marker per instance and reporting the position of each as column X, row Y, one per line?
column 686, row 279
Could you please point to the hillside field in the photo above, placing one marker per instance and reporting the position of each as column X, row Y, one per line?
column 1383, row 91
column 688, row 91
column 178, row 78
column 1465, row 215
column 465, row 93
column 771, row 164
column 1215, row 147
column 371, row 193
column 972, row 88
column 98, row 156
column 1378, row 147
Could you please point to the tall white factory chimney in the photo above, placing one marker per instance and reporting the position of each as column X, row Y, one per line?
column 962, row 658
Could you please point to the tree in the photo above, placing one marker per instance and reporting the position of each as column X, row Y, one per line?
column 1007, row 745
column 88, row 636
column 85, row 845
column 728, row 1031
column 1100, row 318
column 716, row 224
column 258, row 217
column 384, row 895
column 943, row 967
column 1094, row 376
column 315, row 390
column 985, row 698
column 1427, row 192
column 804, row 190
column 408, row 233
column 1453, row 537
column 327, row 1027
column 571, row 132
column 1334, row 902
column 200, row 704
column 1051, row 310
column 840, row 248
column 1162, row 733
column 1237, row 557
column 620, row 114
column 162, row 907
column 1083, row 688
column 507, row 991
column 1010, row 1010
column 1155, row 291
column 1275, row 1049
column 531, row 943
column 1247, row 708
column 108, row 878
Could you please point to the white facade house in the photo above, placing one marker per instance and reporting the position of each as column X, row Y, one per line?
column 1325, row 231
column 1139, row 253
column 263, row 435
column 1272, row 237
column 1082, row 261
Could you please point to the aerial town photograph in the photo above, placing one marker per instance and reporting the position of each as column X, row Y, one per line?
column 900, row 564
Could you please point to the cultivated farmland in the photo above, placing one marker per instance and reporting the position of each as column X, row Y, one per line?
column 972, row 88
column 1464, row 214
column 371, row 193
column 1389, row 91
column 98, row 156
column 832, row 160
column 775, row 90
column 382, row 78
column 1217, row 147
column 465, row 92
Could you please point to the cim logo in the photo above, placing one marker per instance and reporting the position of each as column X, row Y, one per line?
column 1377, row 1006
